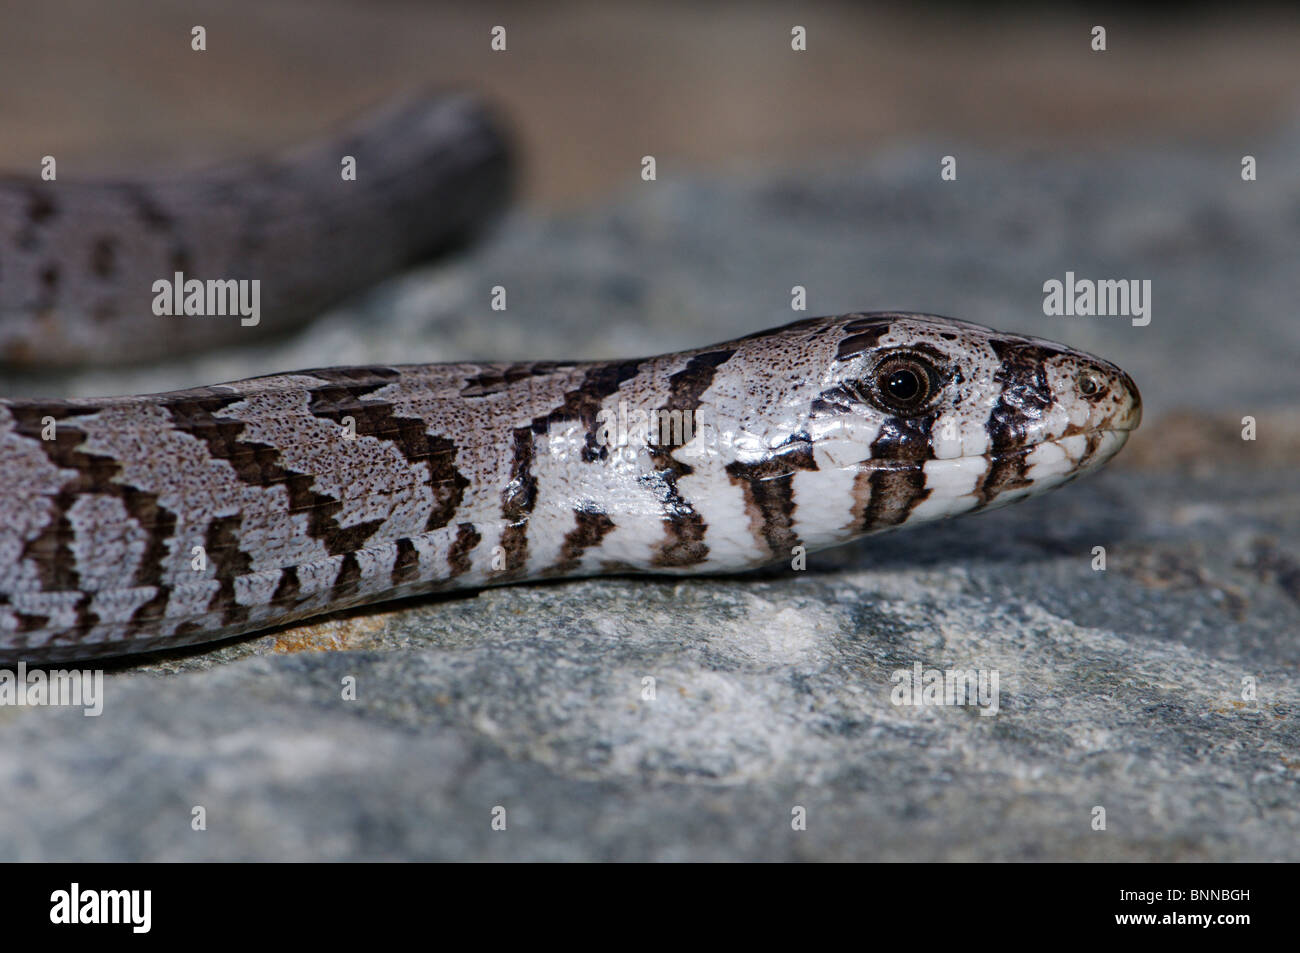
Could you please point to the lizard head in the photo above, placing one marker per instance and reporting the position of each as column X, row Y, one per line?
column 972, row 417
column 911, row 417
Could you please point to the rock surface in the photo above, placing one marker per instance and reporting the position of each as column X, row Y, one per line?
column 1120, row 689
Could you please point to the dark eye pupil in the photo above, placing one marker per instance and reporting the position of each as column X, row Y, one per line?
column 903, row 385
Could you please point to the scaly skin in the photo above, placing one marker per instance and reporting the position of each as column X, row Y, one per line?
column 78, row 260
column 467, row 475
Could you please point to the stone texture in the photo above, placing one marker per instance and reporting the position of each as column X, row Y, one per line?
column 1120, row 689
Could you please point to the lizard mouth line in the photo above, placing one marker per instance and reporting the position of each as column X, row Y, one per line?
column 1095, row 441
column 1098, row 445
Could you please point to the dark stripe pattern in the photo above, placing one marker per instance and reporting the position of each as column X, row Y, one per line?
column 470, row 475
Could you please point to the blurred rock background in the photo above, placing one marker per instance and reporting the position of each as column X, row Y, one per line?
column 589, row 84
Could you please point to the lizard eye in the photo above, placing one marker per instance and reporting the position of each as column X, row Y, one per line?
column 903, row 384
column 1090, row 384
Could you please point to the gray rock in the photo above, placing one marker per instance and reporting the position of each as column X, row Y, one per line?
column 1119, row 689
